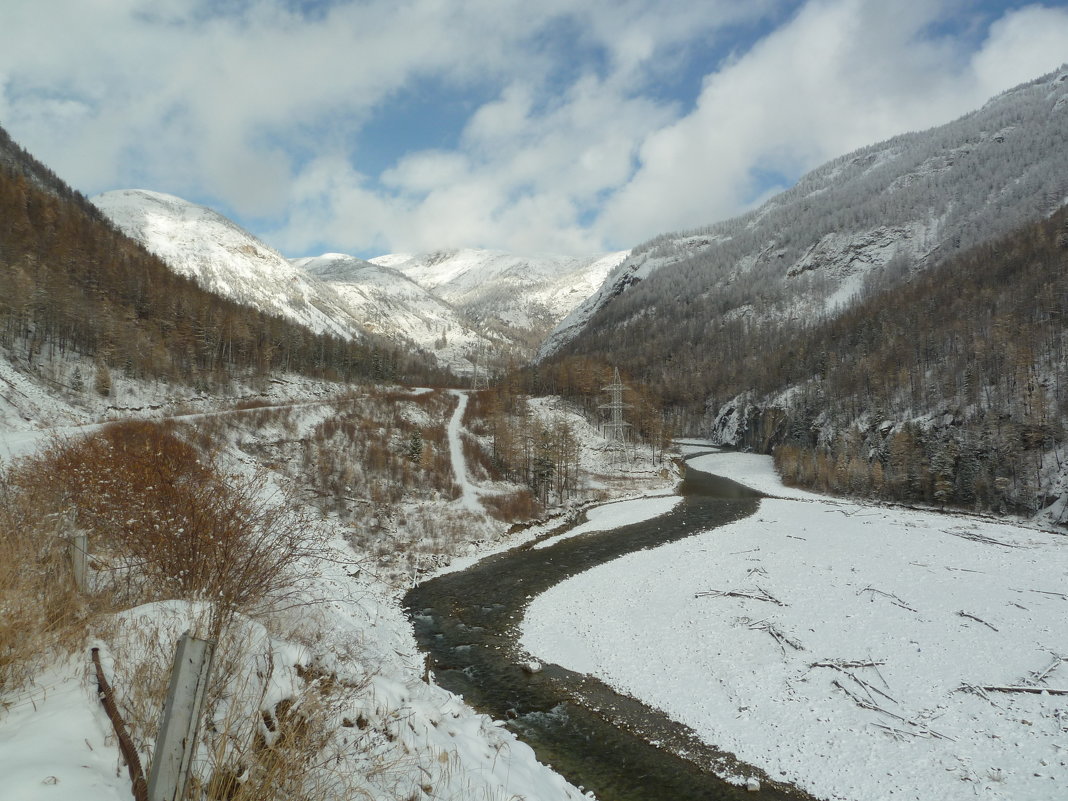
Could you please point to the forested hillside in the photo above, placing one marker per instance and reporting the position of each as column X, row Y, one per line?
column 673, row 313
column 950, row 389
column 875, row 353
column 71, row 283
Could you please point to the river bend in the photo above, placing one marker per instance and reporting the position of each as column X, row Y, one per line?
column 468, row 625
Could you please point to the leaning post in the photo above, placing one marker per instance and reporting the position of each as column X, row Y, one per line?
column 176, row 742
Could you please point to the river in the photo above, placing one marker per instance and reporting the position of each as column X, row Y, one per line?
column 468, row 624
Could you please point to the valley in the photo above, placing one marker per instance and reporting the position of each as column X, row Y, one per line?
column 773, row 507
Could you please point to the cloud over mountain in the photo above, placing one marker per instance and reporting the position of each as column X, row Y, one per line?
column 373, row 127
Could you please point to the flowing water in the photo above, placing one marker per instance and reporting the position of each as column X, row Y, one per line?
column 468, row 624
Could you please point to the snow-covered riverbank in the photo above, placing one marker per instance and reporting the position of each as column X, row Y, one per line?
column 402, row 736
column 838, row 646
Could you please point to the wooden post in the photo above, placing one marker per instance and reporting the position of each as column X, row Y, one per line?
column 176, row 743
column 79, row 558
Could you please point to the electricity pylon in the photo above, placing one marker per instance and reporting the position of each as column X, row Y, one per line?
column 615, row 429
column 480, row 378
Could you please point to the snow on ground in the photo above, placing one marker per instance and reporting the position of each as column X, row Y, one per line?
column 614, row 515
column 851, row 659
column 468, row 494
column 57, row 743
column 750, row 469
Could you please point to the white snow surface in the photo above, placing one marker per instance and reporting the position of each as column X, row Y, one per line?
column 915, row 608
column 468, row 494
column 391, row 304
column 752, row 470
column 614, row 515
column 222, row 257
column 56, row 742
column 524, row 291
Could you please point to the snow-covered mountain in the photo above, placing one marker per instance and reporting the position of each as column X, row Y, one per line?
column 459, row 307
column 877, row 213
column 391, row 304
column 225, row 259
column 520, row 296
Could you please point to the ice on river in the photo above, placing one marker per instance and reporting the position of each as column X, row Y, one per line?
column 838, row 646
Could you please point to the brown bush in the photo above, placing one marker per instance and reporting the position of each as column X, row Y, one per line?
column 166, row 521
column 517, row 507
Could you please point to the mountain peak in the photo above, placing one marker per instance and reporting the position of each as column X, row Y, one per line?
column 202, row 244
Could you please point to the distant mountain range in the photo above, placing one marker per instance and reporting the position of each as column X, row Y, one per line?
column 222, row 257
column 461, row 307
column 892, row 325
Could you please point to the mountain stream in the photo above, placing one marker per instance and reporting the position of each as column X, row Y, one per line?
column 468, row 625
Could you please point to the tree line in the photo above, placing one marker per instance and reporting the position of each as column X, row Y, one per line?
column 70, row 283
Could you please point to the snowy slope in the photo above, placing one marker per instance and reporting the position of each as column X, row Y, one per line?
column 389, row 303
column 528, row 294
column 860, row 675
column 225, row 259
column 885, row 209
column 451, row 305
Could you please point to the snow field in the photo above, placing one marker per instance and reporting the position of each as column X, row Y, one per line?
column 907, row 612
column 56, row 741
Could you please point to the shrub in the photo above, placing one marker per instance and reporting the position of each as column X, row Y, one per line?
column 167, row 522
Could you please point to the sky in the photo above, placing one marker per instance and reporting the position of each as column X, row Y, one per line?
column 533, row 126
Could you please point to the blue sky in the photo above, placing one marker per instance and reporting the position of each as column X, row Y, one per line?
column 526, row 125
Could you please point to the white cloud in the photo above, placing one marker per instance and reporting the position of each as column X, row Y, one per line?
column 841, row 74
column 1020, row 47
column 261, row 112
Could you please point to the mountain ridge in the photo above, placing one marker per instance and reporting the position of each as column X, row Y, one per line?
column 912, row 198
column 481, row 306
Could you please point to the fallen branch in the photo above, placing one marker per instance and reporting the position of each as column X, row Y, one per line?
column 780, row 637
column 899, row 734
column 845, row 664
column 1041, row 675
column 962, row 613
column 975, row 689
column 921, row 730
column 757, row 595
column 893, row 598
column 847, row 669
column 1054, row 594
column 855, row 512
column 993, row 688
column 980, row 538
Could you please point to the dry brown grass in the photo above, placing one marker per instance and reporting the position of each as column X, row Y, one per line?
column 517, row 507
column 250, row 747
column 41, row 611
column 162, row 522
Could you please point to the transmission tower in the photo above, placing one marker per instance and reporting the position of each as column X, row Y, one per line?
column 615, row 429
column 480, row 377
